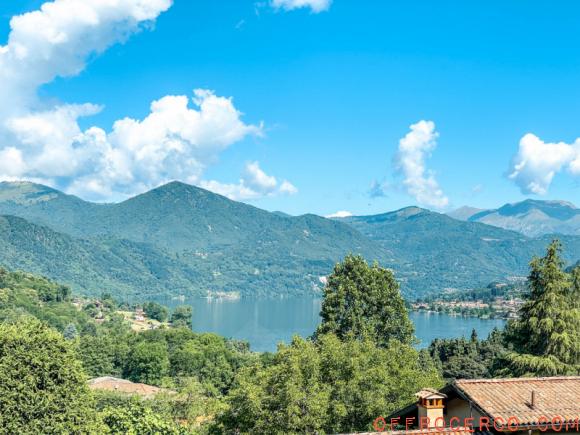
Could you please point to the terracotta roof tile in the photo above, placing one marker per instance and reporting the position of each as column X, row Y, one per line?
column 553, row 397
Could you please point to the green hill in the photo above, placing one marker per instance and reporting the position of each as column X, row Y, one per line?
column 431, row 251
column 177, row 239
column 180, row 239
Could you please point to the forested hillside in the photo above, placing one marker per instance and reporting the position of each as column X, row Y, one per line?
column 430, row 250
column 183, row 240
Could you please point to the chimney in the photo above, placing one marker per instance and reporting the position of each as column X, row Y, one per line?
column 533, row 400
column 431, row 405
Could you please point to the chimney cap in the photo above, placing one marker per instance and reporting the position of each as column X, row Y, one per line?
column 430, row 393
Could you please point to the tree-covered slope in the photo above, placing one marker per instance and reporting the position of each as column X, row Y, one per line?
column 91, row 266
column 431, row 251
column 177, row 239
column 180, row 239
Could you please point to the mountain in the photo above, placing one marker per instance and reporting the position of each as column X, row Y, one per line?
column 180, row 238
column 90, row 267
column 432, row 251
column 531, row 217
column 464, row 213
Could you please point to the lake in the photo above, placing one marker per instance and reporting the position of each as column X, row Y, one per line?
column 266, row 322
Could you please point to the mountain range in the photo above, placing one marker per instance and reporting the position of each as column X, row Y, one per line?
column 182, row 240
column 530, row 217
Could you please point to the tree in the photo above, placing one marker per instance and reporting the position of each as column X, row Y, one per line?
column 363, row 301
column 135, row 417
column 546, row 337
column 70, row 332
column 148, row 363
column 284, row 397
column 367, row 381
column 182, row 316
column 156, row 311
column 209, row 358
column 42, row 385
column 327, row 386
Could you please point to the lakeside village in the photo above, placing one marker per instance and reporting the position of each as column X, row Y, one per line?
column 499, row 300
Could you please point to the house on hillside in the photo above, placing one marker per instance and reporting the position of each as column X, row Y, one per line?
column 494, row 406
column 139, row 315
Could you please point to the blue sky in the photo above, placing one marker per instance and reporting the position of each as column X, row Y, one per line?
column 336, row 92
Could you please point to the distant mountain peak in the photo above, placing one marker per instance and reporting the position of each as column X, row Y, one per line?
column 26, row 192
column 464, row 213
column 412, row 210
column 534, row 217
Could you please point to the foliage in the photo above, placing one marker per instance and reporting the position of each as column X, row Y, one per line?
column 460, row 358
column 546, row 337
column 42, row 385
column 363, row 301
column 26, row 295
column 325, row 386
column 148, row 362
column 135, row 417
column 182, row 316
column 156, row 311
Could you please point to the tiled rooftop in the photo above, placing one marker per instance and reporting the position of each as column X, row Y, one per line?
column 553, row 397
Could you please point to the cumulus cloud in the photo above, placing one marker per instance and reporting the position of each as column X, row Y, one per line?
column 56, row 41
column 339, row 214
column 254, row 183
column 414, row 149
column 42, row 141
column 174, row 142
column 537, row 162
column 315, row 5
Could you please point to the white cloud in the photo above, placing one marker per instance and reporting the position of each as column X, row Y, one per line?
column 43, row 141
column 253, row 184
column 56, row 40
column 339, row 214
column 11, row 162
column 537, row 162
column 315, row 5
column 414, row 149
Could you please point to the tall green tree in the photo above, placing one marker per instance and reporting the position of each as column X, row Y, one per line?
column 148, row 362
column 182, row 316
column 327, row 386
column 362, row 301
column 156, row 311
column 546, row 337
column 286, row 397
column 42, row 385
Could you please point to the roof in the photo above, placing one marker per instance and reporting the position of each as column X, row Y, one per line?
column 109, row 383
column 553, row 397
column 429, row 393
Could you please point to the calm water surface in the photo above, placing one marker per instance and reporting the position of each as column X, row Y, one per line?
column 266, row 322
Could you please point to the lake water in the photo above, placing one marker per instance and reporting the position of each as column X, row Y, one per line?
column 266, row 322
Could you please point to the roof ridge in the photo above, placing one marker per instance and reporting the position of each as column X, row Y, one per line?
column 505, row 380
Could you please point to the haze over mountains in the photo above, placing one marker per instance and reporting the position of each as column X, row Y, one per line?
column 529, row 217
column 183, row 240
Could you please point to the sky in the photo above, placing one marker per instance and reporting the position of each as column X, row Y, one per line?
column 303, row 106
